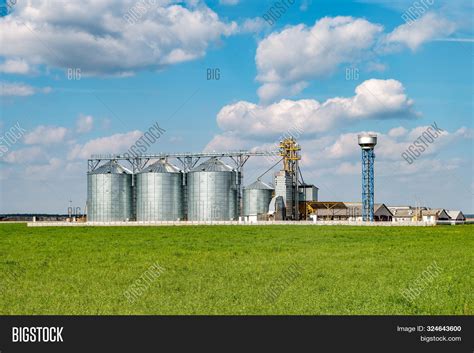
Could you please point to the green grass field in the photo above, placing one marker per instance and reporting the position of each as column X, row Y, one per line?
column 227, row 269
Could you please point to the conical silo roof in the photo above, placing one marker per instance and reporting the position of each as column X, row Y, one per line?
column 259, row 185
column 212, row 165
column 111, row 167
column 161, row 166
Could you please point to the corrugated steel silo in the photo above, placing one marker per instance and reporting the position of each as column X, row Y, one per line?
column 212, row 192
column 109, row 193
column 160, row 193
column 257, row 197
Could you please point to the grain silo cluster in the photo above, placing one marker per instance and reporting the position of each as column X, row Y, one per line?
column 163, row 192
column 206, row 187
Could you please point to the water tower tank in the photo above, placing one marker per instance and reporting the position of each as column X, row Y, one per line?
column 367, row 141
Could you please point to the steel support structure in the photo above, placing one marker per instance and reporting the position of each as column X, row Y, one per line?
column 368, row 158
column 290, row 151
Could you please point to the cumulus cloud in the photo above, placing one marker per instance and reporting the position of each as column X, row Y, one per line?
column 413, row 34
column 24, row 155
column 117, row 143
column 344, row 148
column 253, row 25
column 389, row 147
column 45, row 135
column 226, row 141
column 397, row 131
column 373, row 99
column 15, row 66
column 289, row 59
column 84, row 123
column 376, row 67
column 12, row 89
column 43, row 171
column 299, row 53
column 96, row 37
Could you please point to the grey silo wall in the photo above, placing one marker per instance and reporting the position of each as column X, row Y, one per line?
column 256, row 201
column 212, row 196
column 109, row 197
column 159, row 196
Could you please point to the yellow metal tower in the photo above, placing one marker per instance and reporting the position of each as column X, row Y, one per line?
column 290, row 151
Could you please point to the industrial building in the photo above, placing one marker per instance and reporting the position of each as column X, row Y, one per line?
column 456, row 215
column 404, row 213
column 204, row 187
column 344, row 211
column 210, row 187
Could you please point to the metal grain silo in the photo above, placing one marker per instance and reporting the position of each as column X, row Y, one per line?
column 109, row 193
column 257, row 197
column 212, row 192
column 160, row 193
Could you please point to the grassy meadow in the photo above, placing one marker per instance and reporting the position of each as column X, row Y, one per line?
column 229, row 270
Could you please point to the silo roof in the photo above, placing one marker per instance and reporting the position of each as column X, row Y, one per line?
column 259, row 185
column 161, row 166
column 111, row 167
column 212, row 165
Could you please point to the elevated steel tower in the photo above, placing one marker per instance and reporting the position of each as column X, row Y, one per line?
column 367, row 143
column 288, row 177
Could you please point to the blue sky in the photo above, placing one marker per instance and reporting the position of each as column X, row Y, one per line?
column 333, row 68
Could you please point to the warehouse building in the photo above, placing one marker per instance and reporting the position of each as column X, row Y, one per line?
column 456, row 216
column 434, row 215
column 344, row 211
column 404, row 213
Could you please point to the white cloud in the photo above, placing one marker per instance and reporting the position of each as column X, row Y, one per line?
column 225, row 142
column 269, row 91
column 12, row 89
column 288, row 60
column 389, row 147
column 419, row 130
column 43, row 171
column 96, row 37
column 45, row 135
column 305, row 5
column 118, row 143
column 15, row 66
column 253, row 25
column 299, row 53
column 429, row 27
column 347, row 168
column 84, row 123
column 374, row 99
column 376, row 67
column 25, row 155
column 464, row 132
column 16, row 89
column 397, row 131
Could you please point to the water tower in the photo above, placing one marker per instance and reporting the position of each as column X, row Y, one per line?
column 367, row 142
